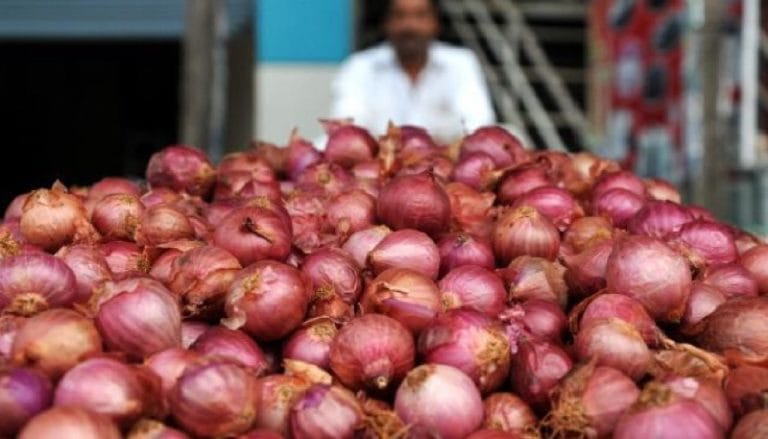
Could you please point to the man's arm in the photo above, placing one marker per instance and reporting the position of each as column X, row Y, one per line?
column 474, row 98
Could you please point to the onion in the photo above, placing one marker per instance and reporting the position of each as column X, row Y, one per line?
column 9, row 326
column 415, row 202
column 405, row 295
column 368, row 171
column 530, row 277
column 201, row 278
column 125, row 259
column 268, row 300
column 494, row 434
column 241, row 184
column 89, row 267
column 326, row 304
column 470, row 209
column 507, row 412
column 215, row 398
column 619, row 306
column 257, row 167
column 746, row 241
column 662, row 190
column 312, row 343
column 350, row 212
column 221, row 342
column 439, row 401
column 53, row 218
column 150, row 429
column 746, row 388
column 219, row 209
column 476, row 170
column 703, row 301
column 436, row 164
column 619, row 179
column 54, row 341
column 373, row 351
column 168, row 365
column 471, row 342
column 334, row 270
column 705, row 392
column 706, row 243
column 379, row 421
column 23, row 394
column 16, row 208
column 556, row 204
column 113, row 185
column 138, row 316
column 164, row 223
column 159, row 196
column 615, row 343
column 325, row 178
column 361, row 243
column 252, row 234
column 586, row 232
column 260, row 434
column 587, row 269
column 660, row 413
column 536, row 368
column 659, row 219
column 505, row 148
column 414, row 138
column 325, row 412
column 536, row 318
column 755, row 260
column 117, row 216
column 738, row 328
column 300, row 154
column 730, row 279
column 457, row 249
column 349, row 144
column 276, row 394
column 519, row 180
column 618, row 205
column 751, row 426
column 590, row 401
column 70, row 422
column 649, row 271
column 406, row 248
column 32, row 282
column 12, row 242
column 474, row 287
column 524, row 231
column 103, row 385
column 191, row 331
column 163, row 264
column 181, row 168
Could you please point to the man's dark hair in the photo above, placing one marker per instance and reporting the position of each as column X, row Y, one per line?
column 386, row 7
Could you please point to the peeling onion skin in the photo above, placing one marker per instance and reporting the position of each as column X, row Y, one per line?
column 738, row 329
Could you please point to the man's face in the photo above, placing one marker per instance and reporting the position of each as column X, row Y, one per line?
column 410, row 26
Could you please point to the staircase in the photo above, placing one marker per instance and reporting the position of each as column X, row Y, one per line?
column 534, row 56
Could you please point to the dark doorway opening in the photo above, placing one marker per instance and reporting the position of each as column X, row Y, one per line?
column 79, row 111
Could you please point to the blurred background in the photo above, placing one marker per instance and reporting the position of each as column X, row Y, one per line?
column 676, row 89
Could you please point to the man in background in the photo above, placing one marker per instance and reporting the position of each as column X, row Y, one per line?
column 412, row 79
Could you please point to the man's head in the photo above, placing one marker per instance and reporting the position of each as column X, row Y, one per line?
column 410, row 26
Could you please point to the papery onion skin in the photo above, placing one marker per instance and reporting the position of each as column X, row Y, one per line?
column 557, row 204
column 618, row 205
column 537, row 367
column 361, row 243
column 439, row 400
column 619, row 179
column 23, row 394
column 746, row 388
column 168, row 365
column 373, row 351
column 405, row 295
column 233, row 345
column 117, row 216
column 350, row 212
column 730, row 279
column 276, row 395
column 261, row 434
column 586, row 232
column 325, row 412
column 335, row 270
column 539, row 318
column 326, row 178
column 70, row 422
column 312, row 343
column 659, row 219
column 113, row 185
column 191, row 331
column 457, row 249
column 587, row 269
column 753, row 425
column 471, row 211
column 619, row 306
column 524, row 231
column 252, row 234
column 181, row 168
column 9, row 326
column 301, row 153
column 53, row 218
column 406, row 248
column 473, row 287
column 349, row 144
column 215, row 398
column 164, row 223
column 706, row 243
column 651, row 272
column 33, row 282
column 507, row 412
column 471, row 342
column 151, row 429
column 15, row 208
column 125, row 259
column 268, row 300
column 704, row 299
column 755, row 260
column 415, row 202
column 662, row 190
column 614, row 343
column 707, row 393
column 494, row 434
column 89, row 267
column 475, row 170
column 739, row 329
column 529, row 277
column 54, row 341
column 505, row 148
column 516, row 182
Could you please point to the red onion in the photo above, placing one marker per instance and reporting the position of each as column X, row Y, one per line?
column 619, row 306
column 530, row 277
column 164, row 223
column 33, row 282
column 524, row 231
column 70, row 422
column 414, row 138
column 746, row 241
column 660, row 413
column 470, row 209
column 494, row 434
column 312, row 343
column 241, row 184
column 326, row 303
column 368, row 171
column 268, row 300
column 11, row 241
column 439, row 401
column 103, row 385
column 536, row 368
column 405, row 295
column 738, row 328
column 704, row 299
column 53, row 218
column 221, row 342
column 415, row 202
column 751, row 426
column 507, row 412
column 707, row 393
column 586, row 270
column 436, row 164
column 373, row 351
column 168, row 365
column 649, row 271
column 350, row 212
column 15, row 209
column 457, row 249
column 537, row 318
column 586, row 232
column 590, row 401
column 505, row 148
column 9, row 326
column 261, row 434
column 308, row 372
column 151, row 429
column 191, row 331
column 755, row 260
column 520, row 180
column 334, row 270
column 138, row 316
column 619, row 179
column 615, row 343
column 659, row 219
column 706, row 243
column 272, row 154
column 662, row 190
column 113, row 185
column 406, row 248
column 276, row 395
column 117, row 216
column 218, row 210
column 300, row 154
column 201, row 278
column 746, row 388
column 556, row 204
column 730, row 279
column 325, row 412
column 252, row 234
column 257, row 167
column 159, row 196
column 349, row 144
column 125, row 259
column 54, row 341
column 326, row 178
column 89, row 267
column 474, row 287
column 23, row 394
column 471, row 342
column 215, row 398
column 181, row 168
column 618, row 205
column 162, row 266
column 361, row 243
column 476, row 170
